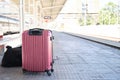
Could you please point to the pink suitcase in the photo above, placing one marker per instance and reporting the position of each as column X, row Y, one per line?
column 37, row 50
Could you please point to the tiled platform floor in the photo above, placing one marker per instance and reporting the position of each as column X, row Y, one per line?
column 75, row 59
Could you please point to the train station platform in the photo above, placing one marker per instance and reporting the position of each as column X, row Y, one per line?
column 115, row 42
column 75, row 59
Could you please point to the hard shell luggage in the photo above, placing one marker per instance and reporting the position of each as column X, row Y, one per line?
column 37, row 50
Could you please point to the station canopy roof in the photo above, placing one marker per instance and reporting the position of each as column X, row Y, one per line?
column 43, row 8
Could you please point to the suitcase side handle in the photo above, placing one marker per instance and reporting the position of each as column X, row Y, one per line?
column 52, row 38
column 36, row 31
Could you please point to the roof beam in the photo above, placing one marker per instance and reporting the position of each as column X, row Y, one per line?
column 53, row 7
column 53, row 2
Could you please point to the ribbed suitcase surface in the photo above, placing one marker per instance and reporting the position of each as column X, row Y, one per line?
column 36, row 51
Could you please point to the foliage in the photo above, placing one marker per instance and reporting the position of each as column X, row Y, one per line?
column 89, row 20
column 109, row 14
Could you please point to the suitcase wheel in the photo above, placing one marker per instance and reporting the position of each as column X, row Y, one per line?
column 52, row 70
column 48, row 72
column 24, row 71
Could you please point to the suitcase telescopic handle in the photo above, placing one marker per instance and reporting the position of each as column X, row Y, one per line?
column 36, row 31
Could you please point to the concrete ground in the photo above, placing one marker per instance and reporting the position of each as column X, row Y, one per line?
column 75, row 59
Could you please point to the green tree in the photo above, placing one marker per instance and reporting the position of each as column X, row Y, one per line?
column 108, row 15
column 89, row 20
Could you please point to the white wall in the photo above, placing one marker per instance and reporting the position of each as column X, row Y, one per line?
column 102, row 30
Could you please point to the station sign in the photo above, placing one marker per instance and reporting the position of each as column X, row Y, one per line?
column 47, row 17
